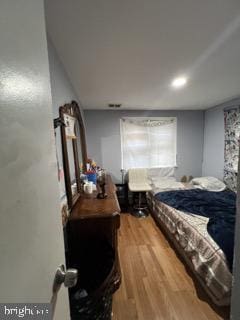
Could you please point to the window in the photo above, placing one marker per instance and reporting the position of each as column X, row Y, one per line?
column 148, row 142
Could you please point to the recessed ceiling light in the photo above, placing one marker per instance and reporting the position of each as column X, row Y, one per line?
column 179, row 82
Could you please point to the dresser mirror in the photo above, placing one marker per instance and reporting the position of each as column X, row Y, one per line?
column 73, row 150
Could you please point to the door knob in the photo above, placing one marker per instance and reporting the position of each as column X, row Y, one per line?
column 69, row 277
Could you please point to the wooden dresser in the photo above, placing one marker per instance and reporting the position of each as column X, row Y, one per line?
column 93, row 244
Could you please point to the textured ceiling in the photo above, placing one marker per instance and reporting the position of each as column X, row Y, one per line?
column 129, row 51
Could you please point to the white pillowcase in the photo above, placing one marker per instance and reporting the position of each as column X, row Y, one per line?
column 166, row 184
column 160, row 179
column 208, row 183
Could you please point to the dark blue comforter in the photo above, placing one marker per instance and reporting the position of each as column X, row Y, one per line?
column 219, row 207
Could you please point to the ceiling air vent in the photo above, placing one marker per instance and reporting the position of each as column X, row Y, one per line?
column 114, row 105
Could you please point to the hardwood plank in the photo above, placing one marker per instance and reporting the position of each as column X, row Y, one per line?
column 156, row 284
column 158, row 296
column 127, row 278
column 125, row 309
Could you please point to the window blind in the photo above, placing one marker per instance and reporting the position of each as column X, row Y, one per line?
column 148, row 142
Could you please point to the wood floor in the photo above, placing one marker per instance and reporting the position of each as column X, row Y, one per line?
column 155, row 283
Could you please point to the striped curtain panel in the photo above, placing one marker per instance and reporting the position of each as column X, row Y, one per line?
column 232, row 141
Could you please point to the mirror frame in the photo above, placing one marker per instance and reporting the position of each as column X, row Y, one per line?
column 73, row 110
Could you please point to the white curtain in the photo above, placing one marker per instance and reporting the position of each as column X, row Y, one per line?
column 148, row 142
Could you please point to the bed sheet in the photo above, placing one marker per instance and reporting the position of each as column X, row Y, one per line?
column 203, row 255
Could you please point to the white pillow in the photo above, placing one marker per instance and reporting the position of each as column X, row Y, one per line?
column 167, row 185
column 208, row 183
column 160, row 179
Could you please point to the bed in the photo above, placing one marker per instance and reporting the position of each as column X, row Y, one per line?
column 208, row 256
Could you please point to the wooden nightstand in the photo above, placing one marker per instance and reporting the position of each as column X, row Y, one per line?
column 122, row 195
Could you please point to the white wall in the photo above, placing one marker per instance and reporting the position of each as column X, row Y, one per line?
column 235, row 309
column 104, row 143
column 62, row 93
column 213, row 149
column 61, row 87
column 31, row 241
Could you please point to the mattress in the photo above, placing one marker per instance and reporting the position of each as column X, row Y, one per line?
column 203, row 255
